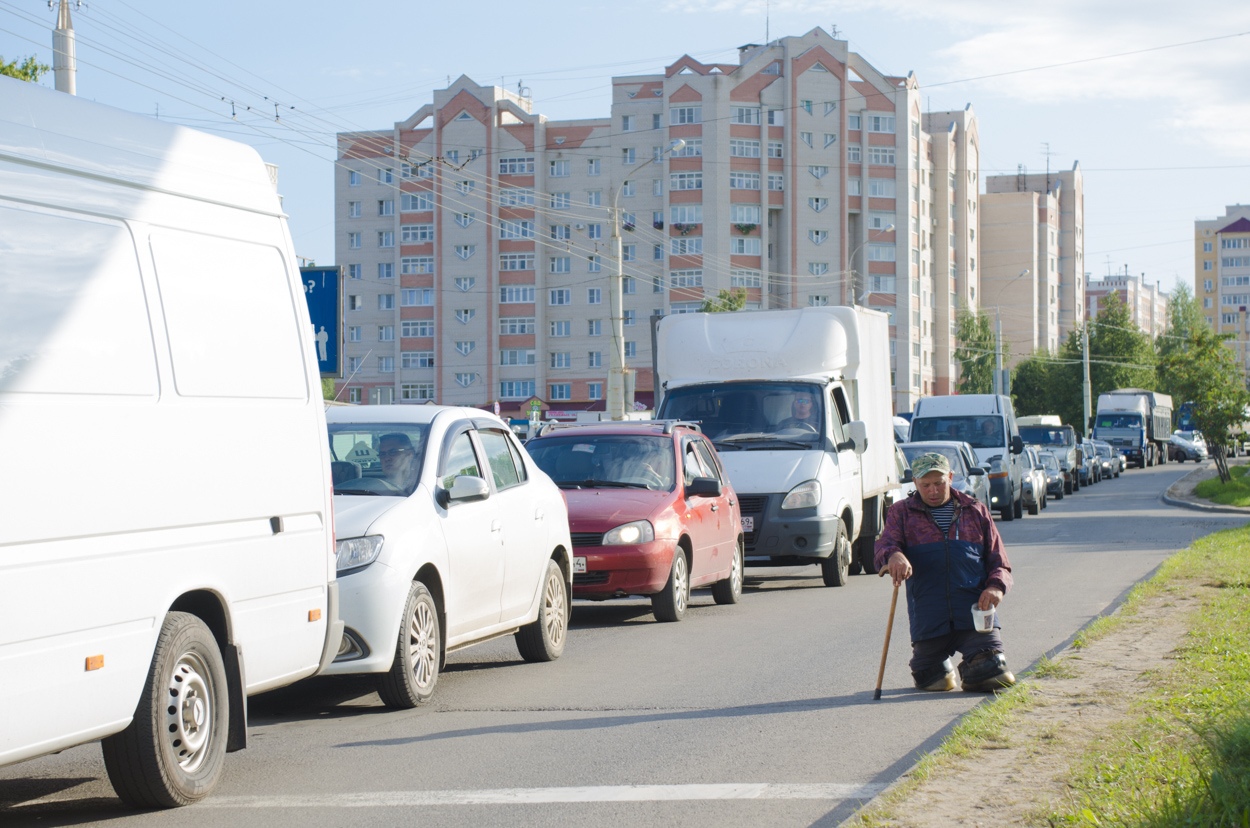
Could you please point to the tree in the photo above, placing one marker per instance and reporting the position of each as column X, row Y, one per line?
column 28, row 70
column 1031, row 385
column 974, row 351
column 1203, row 370
column 726, row 300
column 1185, row 317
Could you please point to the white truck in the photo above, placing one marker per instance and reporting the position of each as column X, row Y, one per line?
column 798, row 402
column 1137, row 423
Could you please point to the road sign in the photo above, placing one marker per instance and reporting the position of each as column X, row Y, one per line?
column 322, row 290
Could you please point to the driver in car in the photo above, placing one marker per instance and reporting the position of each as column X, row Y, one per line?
column 399, row 461
column 801, row 416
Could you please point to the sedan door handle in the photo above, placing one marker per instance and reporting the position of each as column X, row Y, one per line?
column 538, row 515
column 496, row 526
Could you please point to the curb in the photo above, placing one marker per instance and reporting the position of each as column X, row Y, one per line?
column 1172, row 497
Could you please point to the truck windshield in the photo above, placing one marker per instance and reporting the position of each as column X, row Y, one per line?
column 773, row 415
column 1119, row 421
column 978, row 431
column 1047, row 436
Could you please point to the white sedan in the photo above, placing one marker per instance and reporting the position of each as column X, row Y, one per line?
column 448, row 535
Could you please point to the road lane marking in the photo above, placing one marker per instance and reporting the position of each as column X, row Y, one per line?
column 535, row 796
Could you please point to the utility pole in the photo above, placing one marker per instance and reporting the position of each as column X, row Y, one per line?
column 1085, row 388
column 998, row 351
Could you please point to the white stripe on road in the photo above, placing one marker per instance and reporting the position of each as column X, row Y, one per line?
column 530, row 796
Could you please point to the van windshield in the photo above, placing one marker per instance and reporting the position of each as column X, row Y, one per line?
column 978, row 431
column 1047, row 436
column 377, row 458
column 771, row 415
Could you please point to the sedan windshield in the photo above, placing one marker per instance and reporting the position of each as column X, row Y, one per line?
column 1049, row 461
column 377, row 458
column 606, row 461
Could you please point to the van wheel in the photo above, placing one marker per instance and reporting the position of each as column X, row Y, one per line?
column 729, row 590
column 669, row 604
column 1019, row 507
column 174, row 750
column 836, row 568
column 418, row 651
column 543, row 639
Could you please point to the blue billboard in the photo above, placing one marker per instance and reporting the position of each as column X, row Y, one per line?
column 323, row 288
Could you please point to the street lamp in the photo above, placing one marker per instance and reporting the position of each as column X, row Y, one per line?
column 998, row 336
column 616, row 298
column 851, row 265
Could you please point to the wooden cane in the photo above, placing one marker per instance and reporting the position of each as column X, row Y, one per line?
column 885, row 648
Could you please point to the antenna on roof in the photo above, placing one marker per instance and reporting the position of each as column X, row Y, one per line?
column 768, row 6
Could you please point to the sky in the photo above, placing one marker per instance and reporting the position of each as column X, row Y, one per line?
column 1150, row 97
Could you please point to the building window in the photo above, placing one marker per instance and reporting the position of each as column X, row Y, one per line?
column 593, row 166
column 517, row 166
column 513, row 294
column 685, row 115
column 745, row 115
column 685, row 181
column 386, row 176
column 743, row 148
column 560, row 296
column 416, row 202
column 355, row 302
column 416, row 391
column 740, row 180
column 627, row 189
column 594, row 390
column 629, row 156
column 561, row 391
column 353, row 241
column 559, row 169
column 409, row 265
column 594, row 359
column 353, row 178
column 831, row 138
column 819, row 301
column 818, row 204
column 881, row 187
column 516, row 389
column 776, row 182
column 776, row 149
column 744, row 246
column 386, row 365
column 386, row 238
column 594, row 327
column 416, row 233
column 386, row 301
column 353, row 333
column 465, row 379
column 881, row 253
column 416, row 359
column 561, row 327
column 464, row 284
column 818, row 236
column 806, row 138
column 594, row 296
column 413, row 297
column 686, row 307
column 692, row 246
column 686, row 279
column 465, row 315
column 416, row 327
column 631, row 349
column 517, row 197
column 561, row 359
column 516, row 229
column 686, row 214
column 1206, row 247
column 776, row 117
column 516, row 356
column 883, row 156
column 628, row 122
column 629, row 252
column 745, row 279
column 593, row 264
column 509, row 325
column 386, row 207
column 629, row 285
column 353, row 209
column 465, row 251
column 354, row 271
column 818, row 268
column 692, row 149
column 881, row 123
column 516, row 261
column 464, row 347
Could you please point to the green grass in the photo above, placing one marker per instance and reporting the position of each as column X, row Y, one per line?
column 1234, row 493
column 1049, row 668
column 1183, row 756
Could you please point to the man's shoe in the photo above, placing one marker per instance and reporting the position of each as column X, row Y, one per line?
column 986, row 672
column 937, row 678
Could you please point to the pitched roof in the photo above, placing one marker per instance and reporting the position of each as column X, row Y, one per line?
column 1241, row 225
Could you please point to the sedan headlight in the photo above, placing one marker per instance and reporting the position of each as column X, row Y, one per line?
column 628, row 534
column 803, row 496
column 356, row 553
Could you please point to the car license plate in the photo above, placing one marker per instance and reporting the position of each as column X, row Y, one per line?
column 579, row 564
column 748, row 524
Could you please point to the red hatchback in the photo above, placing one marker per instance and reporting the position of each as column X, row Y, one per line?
column 650, row 509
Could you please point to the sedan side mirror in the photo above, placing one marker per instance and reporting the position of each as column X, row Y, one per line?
column 704, row 487
column 465, row 487
column 976, row 471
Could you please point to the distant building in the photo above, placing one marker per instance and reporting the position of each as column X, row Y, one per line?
column 1034, row 222
column 1147, row 303
column 474, row 234
column 1222, row 275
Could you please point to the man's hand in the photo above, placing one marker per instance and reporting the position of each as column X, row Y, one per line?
column 990, row 598
column 899, row 568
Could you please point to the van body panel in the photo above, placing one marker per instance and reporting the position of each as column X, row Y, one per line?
column 932, row 415
column 160, row 403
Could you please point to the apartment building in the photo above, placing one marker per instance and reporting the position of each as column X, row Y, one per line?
column 475, row 234
column 1222, row 276
column 1147, row 302
column 1042, row 307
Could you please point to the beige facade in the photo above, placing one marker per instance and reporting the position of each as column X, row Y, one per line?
column 475, row 233
column 1147, row 303
column 1222, row 276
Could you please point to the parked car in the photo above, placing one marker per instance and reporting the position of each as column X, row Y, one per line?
column 1108, row 458
column 651, row 511
column 1091, row 469
column 1056, row 481
column 967, row 476
column 1034, row 481
column 448, row 534
column 901, row 429
column 1187, row 445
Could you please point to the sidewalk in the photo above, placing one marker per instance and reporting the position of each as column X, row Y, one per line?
column 1181, row 493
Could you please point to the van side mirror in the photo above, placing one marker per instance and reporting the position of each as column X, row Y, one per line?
column 704, row 487
column 857, row 436
column 1017, row 445
column 907, row 476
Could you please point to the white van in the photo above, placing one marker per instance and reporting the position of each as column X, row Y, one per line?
column 166, row 546
column 988, row 423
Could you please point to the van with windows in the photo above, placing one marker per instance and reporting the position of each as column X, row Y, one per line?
column 170, row 550
column 988, row 423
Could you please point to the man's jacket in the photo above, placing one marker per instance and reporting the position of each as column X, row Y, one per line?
column 948, row 571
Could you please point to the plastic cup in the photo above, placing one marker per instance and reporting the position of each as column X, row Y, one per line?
column 982, row 620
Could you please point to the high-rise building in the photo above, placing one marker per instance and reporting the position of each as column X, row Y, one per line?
column 1147, row 303
column 1039, row 308
column 1222, row 276
column 475, row 234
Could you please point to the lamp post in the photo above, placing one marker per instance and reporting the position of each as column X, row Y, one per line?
column 616, row 298
column 854, row 273
column 998, row 335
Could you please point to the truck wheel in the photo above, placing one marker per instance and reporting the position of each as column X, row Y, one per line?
column 418, row 652
column 543, row 638
column 835, row 569
column 670, row 603
column 174, row 749
column 729, row 590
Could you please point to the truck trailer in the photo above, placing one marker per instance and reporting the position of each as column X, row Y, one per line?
column 1137, row 423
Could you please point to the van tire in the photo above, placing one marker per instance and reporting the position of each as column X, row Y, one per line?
column 418, row 653
column 174, row 750
column 543, row 639
column 1019, row 506
column 670, row 603
column 836, row 569
column 729, row 591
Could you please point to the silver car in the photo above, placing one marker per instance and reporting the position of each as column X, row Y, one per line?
column 966, row 475
column 1034, row 481
column 1108, row 458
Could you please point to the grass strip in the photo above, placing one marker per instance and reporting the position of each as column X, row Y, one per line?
column 1234, row 493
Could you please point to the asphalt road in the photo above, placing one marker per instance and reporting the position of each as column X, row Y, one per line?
column 755, row 714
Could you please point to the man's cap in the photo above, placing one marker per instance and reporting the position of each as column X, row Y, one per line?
column 930, row 462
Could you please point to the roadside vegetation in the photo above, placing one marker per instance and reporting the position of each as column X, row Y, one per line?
column 1236, row 492
column 1183, row 757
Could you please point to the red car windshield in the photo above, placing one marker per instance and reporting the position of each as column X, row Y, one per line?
column 606, row 461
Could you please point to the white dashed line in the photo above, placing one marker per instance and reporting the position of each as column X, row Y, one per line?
column 532, row 796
